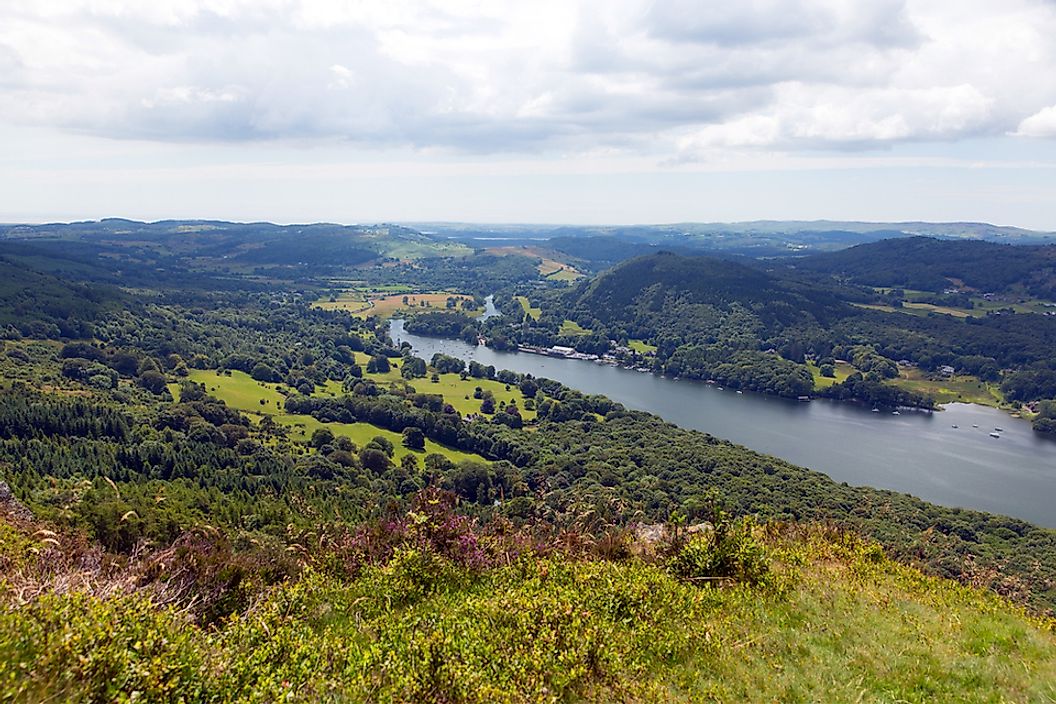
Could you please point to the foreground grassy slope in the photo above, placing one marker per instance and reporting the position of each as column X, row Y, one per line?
column 836, row 622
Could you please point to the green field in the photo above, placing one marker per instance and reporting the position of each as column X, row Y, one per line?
column 527, row 306
column 451, row 387
column 571, row 328
column 641, row 347
column 241, row 392
column 956, row 389
column 302, row 427
column 945, row 310
column 565, row 275
column 913, row 305
column 386, row 304
column 352, row 301
column 842, row 369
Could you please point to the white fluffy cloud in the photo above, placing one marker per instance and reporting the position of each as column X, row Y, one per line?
column 671, row 78
column 1040, row 124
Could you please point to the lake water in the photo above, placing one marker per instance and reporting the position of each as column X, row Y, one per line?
column 916, row 452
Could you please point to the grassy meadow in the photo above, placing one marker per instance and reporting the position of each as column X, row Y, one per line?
column 256, row 398
column 641, row 346
column 961, row 388
column 387, row 304
column 842, row 370
column 528, row 309
column 549, row 267
column 571, row 328
column 239, row 391
column 832, row 621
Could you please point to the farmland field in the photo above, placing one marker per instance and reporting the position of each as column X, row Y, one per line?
column 387, row 304
column 549, row 267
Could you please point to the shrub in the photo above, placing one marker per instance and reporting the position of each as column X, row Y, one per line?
column 728, row 553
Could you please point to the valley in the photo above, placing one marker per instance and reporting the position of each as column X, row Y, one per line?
column 198, row 441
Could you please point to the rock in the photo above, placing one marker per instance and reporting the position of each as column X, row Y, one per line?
column 11, row 506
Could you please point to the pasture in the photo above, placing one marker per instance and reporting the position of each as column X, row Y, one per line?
column 257, row 399
column 386, row 303
column 571, row 328
column 527, row 307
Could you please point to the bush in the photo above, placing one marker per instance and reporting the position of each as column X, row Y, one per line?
column 729, row 553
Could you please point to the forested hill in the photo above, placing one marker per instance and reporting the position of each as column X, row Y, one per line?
column 659, row 291
column 38, row 304
column 192, row 242
column 930, row 264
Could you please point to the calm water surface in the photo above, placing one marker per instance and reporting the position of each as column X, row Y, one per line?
column 916, row 452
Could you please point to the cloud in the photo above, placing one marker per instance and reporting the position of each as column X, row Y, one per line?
column 1040, row 124
column 668, row 78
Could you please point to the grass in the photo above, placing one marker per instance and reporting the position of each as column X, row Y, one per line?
column 549, row 268
column 839, row 623
column 386, row 304
column 302, row 427
column 960, row 388
column 401, row 249
column 571, row 328
column 842, row 370
column 352, row 301
column 528, row 309
column 980, row 306
column 641, row 347
column 564, row 275
column 242, row 392
column 945, row 310
column 451, row 387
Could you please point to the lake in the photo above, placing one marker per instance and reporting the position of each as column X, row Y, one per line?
column 916, row 452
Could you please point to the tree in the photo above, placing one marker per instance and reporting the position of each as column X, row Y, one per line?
column 413, row 368
column 262, row 372
column 383, row 444
column 378, row 364
column 413, row 438
column 321, row 436
column 374, row 459
column 152, row 381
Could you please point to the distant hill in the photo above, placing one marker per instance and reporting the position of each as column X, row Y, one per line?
column 931, row 264
column 251, row 243
column 760, row 238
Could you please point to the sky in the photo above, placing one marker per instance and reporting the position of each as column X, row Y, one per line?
column 549, row 111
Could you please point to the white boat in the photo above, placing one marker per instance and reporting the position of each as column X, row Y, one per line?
column 895, row 413
column 876, row 410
